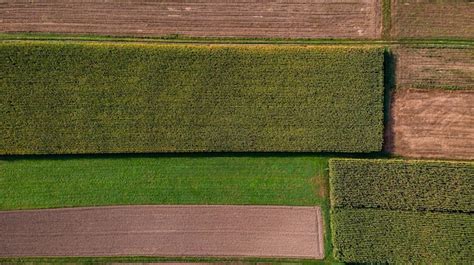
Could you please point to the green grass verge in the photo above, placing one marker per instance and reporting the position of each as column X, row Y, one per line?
column 144, row 260
column 227, row 40
column 381, row 236
column 135, row 98
column 52, row 182
column 402, row 184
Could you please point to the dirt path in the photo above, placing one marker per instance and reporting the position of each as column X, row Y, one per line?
column 212, row 18
column 254, row 231
column 431, row 124
column 432, row 19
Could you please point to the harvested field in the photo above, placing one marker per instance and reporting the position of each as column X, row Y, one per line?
column 200, row 18
column 431, row 124
column 444, row 68
column 432, row 19
column 255, row 231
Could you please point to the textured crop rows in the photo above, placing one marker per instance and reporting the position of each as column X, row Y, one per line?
column 399, row 211
column 110, row 98
column 402, row 185
column 381, row 236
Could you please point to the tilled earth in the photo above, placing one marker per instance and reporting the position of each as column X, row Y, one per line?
column 432, row 19
column 201, row 18
column 435, row 67
column 254, row 231
column 431, row 124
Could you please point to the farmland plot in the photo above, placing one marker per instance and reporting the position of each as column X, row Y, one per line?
column 129, row 98
column 432, row 124
column 402, row 184
column 443, row 68
column 147, row 179
column 402, row 237
column 219, row 231
column 432, row 19
column 207, row 18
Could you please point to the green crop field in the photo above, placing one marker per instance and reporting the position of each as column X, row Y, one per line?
column 402, row 184
column 112, row 180
column 79, row 97
column 381, row 236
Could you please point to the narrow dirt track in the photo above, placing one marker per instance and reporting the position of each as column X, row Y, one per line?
column 253, row 231
column 202, row 18
column 431, row 124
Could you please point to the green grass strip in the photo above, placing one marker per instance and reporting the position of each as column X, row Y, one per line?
column 33, row 183
column 402, row 184
column 58, row 98
column 159, row 260
column 229, row 40
column 380, row 236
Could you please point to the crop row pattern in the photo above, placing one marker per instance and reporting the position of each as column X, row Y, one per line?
column 130, row 98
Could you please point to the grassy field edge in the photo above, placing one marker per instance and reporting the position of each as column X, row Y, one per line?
column 228, row 40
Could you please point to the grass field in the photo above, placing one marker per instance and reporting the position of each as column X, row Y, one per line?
column 402, row 184
column 33, row 183
column 116, row 98
column 381, row 236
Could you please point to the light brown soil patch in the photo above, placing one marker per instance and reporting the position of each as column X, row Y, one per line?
column 321, row 186
column 431, row 124
column 432, row 19
column 435, row 68
column 235, row 231
column 210, row 18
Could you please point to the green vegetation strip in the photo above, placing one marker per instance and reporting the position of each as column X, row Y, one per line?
column 380, row 236
column 159, row 260
column 402, row 184
column 32, row 36
column 33, row 183
column 116, row 98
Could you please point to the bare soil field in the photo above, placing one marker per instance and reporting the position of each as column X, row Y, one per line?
column 201, row 18
column 432, row 19
column 435, row 67
column 431, row 124
column 221, row 231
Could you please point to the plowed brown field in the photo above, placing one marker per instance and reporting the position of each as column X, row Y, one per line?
column 210, row 18
column 432, row 19
column 431, row 124
column 435, row 67
column 256, row 231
